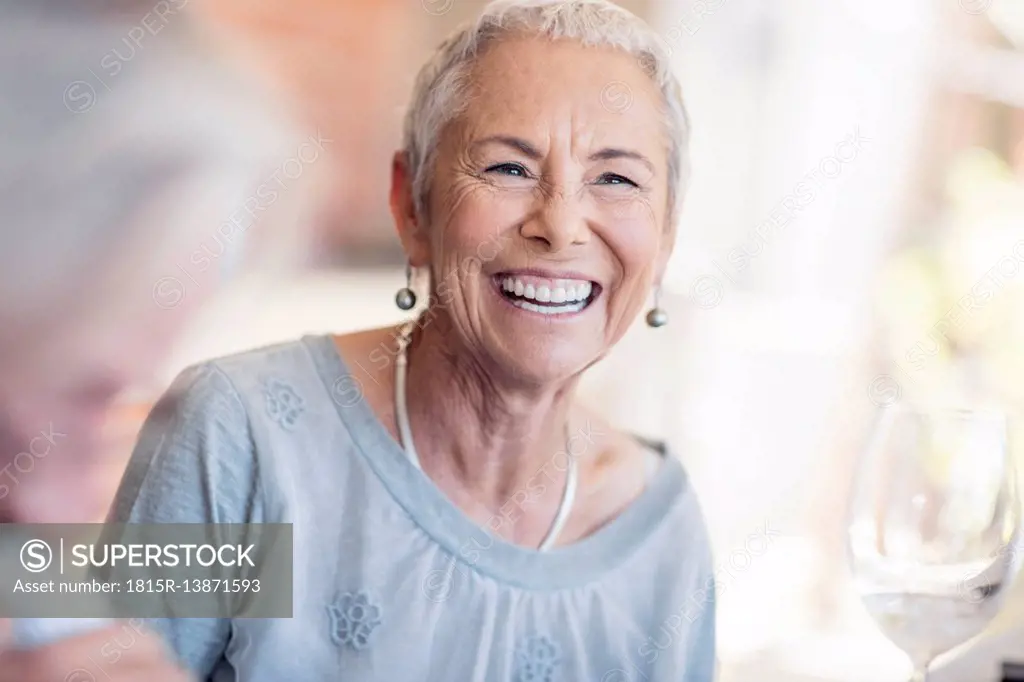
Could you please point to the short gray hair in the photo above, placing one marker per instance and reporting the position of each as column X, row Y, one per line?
column 439, row 92
column 81, row 154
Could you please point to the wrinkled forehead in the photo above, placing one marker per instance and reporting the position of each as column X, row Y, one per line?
column 543, row 90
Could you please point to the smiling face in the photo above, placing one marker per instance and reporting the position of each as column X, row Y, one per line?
column 548, row 210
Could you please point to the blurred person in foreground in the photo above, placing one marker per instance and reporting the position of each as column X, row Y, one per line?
column 458, row 515
column 125, row 144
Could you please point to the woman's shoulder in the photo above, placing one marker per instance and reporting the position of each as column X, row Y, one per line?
column 295, row 359
column 613, row 454
column 283, row 374
column 621, row 470
column 202, row 438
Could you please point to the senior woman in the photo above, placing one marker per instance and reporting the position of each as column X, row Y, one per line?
column 457, row 515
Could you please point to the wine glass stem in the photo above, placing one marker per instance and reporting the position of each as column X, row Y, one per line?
column 920, row 675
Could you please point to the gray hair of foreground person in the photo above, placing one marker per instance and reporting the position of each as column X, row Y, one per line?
column 105, row 127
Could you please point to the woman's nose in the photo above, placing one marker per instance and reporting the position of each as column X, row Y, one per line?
column 558, row 222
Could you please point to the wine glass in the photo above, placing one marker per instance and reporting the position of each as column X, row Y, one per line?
column 933, row 527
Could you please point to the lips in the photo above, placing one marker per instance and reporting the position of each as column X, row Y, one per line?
column 547, row 295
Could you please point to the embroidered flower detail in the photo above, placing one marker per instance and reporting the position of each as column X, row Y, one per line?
column 284, row 405
column 537, row 660
column 353, row 620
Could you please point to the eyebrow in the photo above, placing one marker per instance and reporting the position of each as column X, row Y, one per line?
column 516, row 143
column 610, row 153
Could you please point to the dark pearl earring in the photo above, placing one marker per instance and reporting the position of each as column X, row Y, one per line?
column 656, row 316
column 406, row 297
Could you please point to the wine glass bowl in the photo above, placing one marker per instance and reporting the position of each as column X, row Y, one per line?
column 934, row 526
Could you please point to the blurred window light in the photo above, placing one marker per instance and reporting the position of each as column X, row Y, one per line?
column 994, row 73
column 883, row 16
column 1008, row 17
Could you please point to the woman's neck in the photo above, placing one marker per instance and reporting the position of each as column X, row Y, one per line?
column 478, row 427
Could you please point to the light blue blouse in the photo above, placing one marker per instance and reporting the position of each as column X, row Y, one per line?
column 392, row 581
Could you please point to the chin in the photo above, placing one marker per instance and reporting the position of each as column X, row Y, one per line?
column 542, row 363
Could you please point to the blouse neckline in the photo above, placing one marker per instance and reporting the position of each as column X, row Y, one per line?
column 469, row 544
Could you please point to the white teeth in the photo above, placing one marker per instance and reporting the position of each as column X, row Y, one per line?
column 559, row 291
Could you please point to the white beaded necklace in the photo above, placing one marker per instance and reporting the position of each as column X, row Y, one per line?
column 405, row 435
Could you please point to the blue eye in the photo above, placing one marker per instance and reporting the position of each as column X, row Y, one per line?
column 616, row 179
column 511, row 169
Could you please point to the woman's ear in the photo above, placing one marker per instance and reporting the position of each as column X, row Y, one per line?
column 411, row 230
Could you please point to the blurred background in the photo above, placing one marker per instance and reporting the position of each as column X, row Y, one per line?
column 854, row 237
